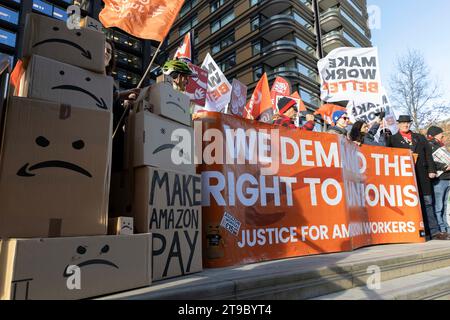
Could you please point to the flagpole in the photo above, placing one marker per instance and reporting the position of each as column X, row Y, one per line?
column 139, row 86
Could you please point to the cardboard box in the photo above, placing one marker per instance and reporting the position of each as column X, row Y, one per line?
column 170, row 103
column 168, row 204
column 120, row 226
column 91, row 23
column 48, row 37
column 54, row 170
column 162, row 143
column 73, row 268
column 55, row 81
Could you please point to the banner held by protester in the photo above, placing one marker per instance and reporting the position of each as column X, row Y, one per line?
column 350, row 73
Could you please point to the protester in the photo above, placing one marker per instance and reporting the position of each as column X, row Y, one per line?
column 340, row 120
column 179, row 71
column 287, row 116
column 441, row 184
column 361, row 134
column 425, row 171
column 120, row 99
column 310, row 123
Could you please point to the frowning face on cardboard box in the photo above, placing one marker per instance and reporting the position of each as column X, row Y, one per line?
column 54, row 170
column 74, row 267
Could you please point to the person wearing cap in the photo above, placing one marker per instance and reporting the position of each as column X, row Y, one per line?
column 340, row 120
column 441, row 184
column 425, row 171
column 287, row 115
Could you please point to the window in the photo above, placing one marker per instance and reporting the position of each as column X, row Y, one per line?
column 256, row 47
column 126, row 78
column 188, row 5
column 352, row 22
column 188, row 26
column 258, row 72
column 124, row 40
column 228, row 62
column 226, row 41
column 221, row 22
column 59, row 13
column 306, row 71
column 128, row 59
column 7, row 38
column 43, row 7
column 215, row 5
column 254, row 2
column 8, row 15
column 256, row 21
column 350, row 39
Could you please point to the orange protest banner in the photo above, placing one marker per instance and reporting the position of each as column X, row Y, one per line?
column 141, row 18
column 272, row 193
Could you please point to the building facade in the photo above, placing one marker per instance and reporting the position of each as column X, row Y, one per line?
column 132, row 54
column 281, row 37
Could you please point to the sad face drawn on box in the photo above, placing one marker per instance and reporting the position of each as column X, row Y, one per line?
column 28, row 171
column 174, row 100
column 92, row 256
column 100, row 102
column 170, row 146
column 126, row 225
column 86, row 54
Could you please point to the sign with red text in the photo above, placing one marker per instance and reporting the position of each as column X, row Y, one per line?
column 350, row 74
column 219, row 89
column 297, row 193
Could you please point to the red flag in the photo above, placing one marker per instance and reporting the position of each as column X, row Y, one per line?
column 184, row 52
column 143, row 19
column 327, row 110
column 280, row 87
column 260, row 101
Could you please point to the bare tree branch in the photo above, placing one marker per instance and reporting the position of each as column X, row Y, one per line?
column 415, row 93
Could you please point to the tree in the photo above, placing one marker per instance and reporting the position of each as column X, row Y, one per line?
column 415, row 93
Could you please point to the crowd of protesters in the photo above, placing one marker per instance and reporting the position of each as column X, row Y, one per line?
column 432, row 163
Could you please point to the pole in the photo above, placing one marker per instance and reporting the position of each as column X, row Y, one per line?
column 318, row 29
column 138, row 87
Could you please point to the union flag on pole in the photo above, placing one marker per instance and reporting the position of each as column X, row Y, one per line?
column 260, row 105
column 327, row 110
column 184, row 52
column 280, row 87
column 145, row 19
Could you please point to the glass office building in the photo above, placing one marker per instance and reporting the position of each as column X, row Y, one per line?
column 132, row 54
column 280, row 37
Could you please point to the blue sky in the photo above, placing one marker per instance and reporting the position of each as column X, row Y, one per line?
column 421, row 25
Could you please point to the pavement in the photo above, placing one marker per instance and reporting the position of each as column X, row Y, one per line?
column 308, row 277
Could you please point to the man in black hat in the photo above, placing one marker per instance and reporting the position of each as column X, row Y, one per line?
column 441, row 184
column 425, row 171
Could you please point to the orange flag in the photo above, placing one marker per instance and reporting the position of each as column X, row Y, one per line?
column 302, row 106
column 143, row 19
column 327, row 110
column 260, row 103
column 16, row 75
column 184, row 52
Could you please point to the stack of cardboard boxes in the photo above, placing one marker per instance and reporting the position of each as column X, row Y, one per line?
column 167, row 190
column 55, row 160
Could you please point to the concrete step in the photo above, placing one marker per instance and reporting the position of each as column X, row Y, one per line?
column 300, row 278
column 431, row 285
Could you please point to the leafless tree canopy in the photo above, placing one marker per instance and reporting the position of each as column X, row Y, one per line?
column 415, row 92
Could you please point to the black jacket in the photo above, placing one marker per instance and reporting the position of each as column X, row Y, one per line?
column 425, row 163
column 435, row 145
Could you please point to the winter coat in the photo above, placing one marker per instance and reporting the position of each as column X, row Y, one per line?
column 424, row 165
